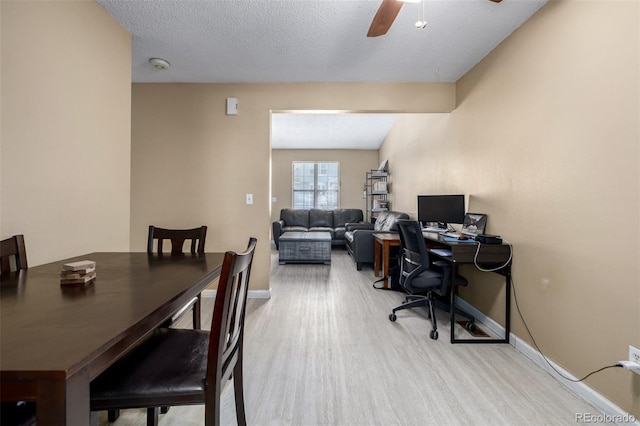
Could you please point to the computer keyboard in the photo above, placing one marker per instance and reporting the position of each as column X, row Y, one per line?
column 444, row 252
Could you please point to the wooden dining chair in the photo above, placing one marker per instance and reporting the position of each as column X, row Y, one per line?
column 185, row 366
column 15, row 412
column 178, row 237
column 13, row 247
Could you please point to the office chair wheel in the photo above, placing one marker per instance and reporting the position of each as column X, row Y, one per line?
column 392, row 317
column 471, row 326
column 434, row 334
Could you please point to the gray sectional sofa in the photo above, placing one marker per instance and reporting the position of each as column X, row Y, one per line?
column 359, row 237
column 316, row 220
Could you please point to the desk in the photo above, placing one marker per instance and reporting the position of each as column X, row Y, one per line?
column 382, row 244
column 489, row 257
column 55, row 340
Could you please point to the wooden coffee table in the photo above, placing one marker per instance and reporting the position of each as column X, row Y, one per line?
column 305, row 247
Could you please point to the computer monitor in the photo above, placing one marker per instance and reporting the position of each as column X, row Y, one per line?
column 442, row 209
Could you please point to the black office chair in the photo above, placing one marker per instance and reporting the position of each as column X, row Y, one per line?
column 185, row 366
column 423, row 280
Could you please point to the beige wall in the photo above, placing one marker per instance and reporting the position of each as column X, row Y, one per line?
column 192, row 164
column 545, row 139
column 353, row 166
column 65, row 147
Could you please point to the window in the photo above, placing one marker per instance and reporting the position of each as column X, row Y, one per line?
column 316, row 185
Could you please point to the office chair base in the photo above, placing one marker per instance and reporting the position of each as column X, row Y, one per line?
column 412, row 301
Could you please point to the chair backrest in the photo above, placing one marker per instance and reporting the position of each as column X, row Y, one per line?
column 177, row 237
column 13, row 247
column 414, row 257
column 227, row 325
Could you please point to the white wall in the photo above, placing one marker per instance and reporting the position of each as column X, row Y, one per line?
column 353, row 166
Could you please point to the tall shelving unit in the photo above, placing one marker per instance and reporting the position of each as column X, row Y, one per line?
column 376, row 188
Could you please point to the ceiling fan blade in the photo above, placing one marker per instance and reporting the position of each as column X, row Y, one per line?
column 385, row 16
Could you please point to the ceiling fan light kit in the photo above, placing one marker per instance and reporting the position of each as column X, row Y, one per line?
column 387, row 13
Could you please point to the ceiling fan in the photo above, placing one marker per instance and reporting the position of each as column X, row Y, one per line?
column 387, row 13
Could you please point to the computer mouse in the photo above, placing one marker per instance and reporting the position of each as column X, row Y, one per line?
column 463, row 237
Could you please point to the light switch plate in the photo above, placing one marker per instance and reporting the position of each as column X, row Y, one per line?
column 249, row 198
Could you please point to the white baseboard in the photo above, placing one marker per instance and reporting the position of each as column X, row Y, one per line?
column 253, row 294
column 611, row 412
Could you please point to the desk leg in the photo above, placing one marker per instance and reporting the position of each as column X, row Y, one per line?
column 386, row 248
column 507, row 308
column 376, row 257
column 452, row 305
column 507, row 311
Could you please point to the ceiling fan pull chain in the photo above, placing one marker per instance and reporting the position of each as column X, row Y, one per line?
column 422, row 24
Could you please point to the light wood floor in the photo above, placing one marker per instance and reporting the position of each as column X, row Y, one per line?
column 322, row 351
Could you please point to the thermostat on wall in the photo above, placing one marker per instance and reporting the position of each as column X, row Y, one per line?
column 232, row 106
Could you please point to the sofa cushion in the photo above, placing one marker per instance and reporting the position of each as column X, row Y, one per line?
column 320, row 218
column 295, row 217
column 344, row 216
column 339, row 233
column 323, row 229
column 294, row 229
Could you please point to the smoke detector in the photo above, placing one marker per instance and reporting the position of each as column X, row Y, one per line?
column 159, row 63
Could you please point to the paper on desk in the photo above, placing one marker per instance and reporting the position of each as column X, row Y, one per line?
column 455, row 240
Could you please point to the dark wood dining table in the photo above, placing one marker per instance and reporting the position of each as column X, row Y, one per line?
column 55, row 339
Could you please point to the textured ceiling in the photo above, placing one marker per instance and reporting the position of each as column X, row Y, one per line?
column 260, row 41
column 299, row 41
column 330, row 131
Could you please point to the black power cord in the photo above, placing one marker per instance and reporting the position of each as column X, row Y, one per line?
column 515, row 299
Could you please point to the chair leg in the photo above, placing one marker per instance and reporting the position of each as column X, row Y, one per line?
column 152, row 416
column 196, row 314
column 432, row 313
column 112, row 415
column 239, row 392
